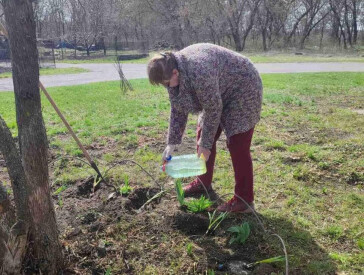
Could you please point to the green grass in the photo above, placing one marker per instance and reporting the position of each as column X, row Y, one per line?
column 288, row 58
column 255, row 57
column 307, row 151
column 51, row 71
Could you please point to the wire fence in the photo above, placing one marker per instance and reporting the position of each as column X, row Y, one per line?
column 52, row 50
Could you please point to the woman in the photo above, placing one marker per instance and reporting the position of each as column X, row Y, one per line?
column 226, row 90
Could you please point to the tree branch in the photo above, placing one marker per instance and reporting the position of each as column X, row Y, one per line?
column 15, row 170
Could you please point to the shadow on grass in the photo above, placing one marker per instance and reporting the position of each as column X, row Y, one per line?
column 304, row 254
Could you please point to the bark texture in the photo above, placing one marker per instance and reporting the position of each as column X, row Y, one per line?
column 43, row 234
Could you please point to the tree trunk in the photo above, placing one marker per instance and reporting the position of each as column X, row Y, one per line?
column 75, row 47
column 16, row 172
column 346, row 21
column 355, row 23
column 13, row 241
column 116, row 46
column 7, row 219
column 103, row 45
column 44, row 245
column 251, row 24
column 237, row 41
column 322, row 33
column 264, row 38
column 344, row 37
column 296, row 24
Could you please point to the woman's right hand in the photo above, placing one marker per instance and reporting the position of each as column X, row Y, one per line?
column 168, row 152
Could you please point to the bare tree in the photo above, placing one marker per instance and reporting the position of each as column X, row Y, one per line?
column 271, row 20
column 169, row 11
column 231, row 23
column 318, row 10
column 337, row 8
column 240, row 15
column 36, row 223
column 299, row 12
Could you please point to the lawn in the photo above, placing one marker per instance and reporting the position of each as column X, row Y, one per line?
column 269, row 57
column 309, row 175
column 51, row 71
column 292, row 58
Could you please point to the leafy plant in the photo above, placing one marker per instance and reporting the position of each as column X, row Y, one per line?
column 60, row 202
column 360, row 244
column 189, row 249
column 126, row 188
column 215, row 222
column 198, row 205
column 241, row 233
column 60, row 189
column 180, row 192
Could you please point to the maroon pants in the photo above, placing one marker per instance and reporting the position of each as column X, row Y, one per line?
column 239, row 147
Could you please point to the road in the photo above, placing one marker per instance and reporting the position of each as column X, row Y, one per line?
column 108, row 72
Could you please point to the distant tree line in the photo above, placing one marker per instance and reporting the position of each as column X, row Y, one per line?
column 238, row 24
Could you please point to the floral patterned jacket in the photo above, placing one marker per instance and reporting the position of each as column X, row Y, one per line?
column 222, row 85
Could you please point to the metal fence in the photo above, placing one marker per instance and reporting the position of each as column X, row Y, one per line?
column 46, row 54
column 51, row 50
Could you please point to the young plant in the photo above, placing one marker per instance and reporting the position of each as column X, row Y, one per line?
column 241, row 233
column 198, row 205
column 97, row 180
column 126, row 188
column 267, row 261
column 60, row 202
column 215, row 221
column 60, row 189
column 180, row 193
column 189, row 249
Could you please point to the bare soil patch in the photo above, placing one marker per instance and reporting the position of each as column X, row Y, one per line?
column 99, row 230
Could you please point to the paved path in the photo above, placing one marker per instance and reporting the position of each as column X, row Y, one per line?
column 108, row 72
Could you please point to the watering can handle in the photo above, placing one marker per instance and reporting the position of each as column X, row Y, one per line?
column 165, row 163
column 202, row 157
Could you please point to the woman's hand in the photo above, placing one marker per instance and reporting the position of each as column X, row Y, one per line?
column 168, row 152
column 206, row 152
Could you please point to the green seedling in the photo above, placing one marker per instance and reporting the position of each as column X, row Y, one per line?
column 180, row 193
column 126, row 188
column 108, row 271
column 189, row 249
column 97, row 180
column 267, row 261
column 215, row 221
column 198, row 205
column 241, row 233
column 60, row 202
column 60, row 189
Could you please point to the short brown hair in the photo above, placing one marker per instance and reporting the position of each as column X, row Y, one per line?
column 161, row 67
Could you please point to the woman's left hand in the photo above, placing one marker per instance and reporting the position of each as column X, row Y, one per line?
column 206, row 152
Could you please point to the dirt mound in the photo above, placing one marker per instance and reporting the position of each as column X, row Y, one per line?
column 140, row 196
column 190, row 223
column 85, row 188
column 100, row 227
